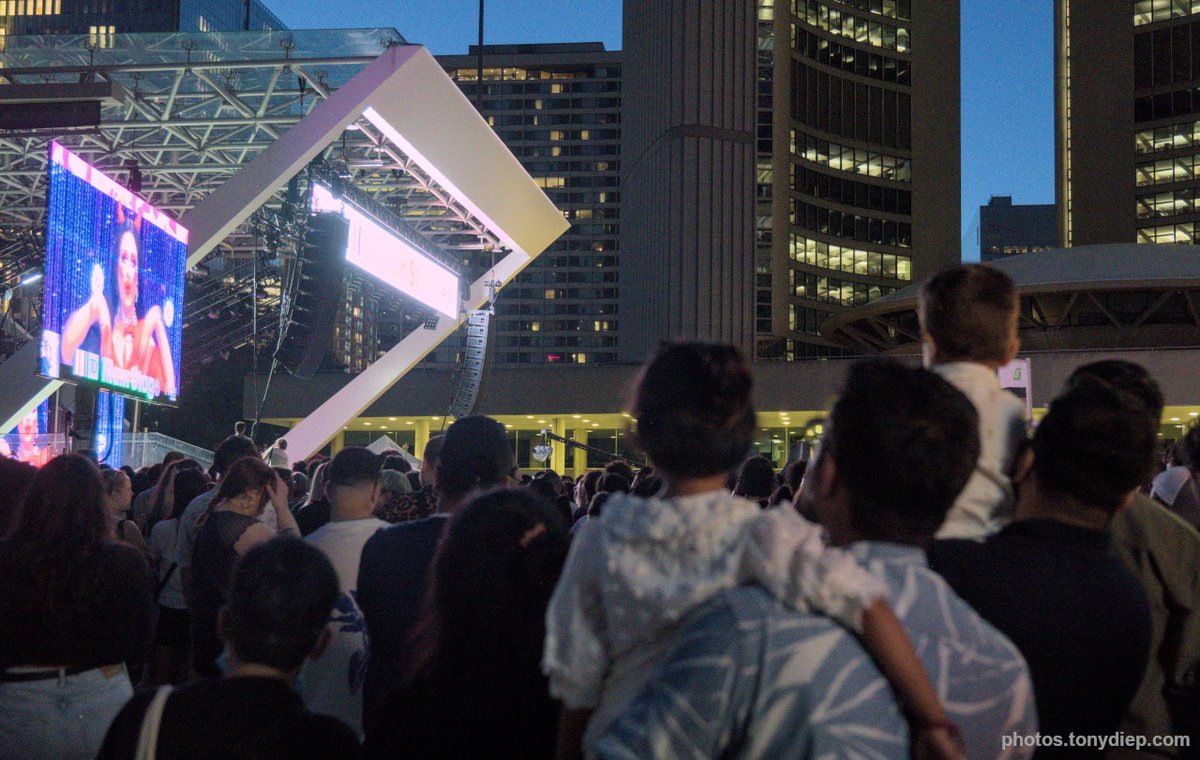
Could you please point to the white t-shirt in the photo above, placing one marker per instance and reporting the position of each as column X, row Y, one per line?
column 162, row 547
column 333, row 683
column 189, row 528
column 276, row 457
column 987, row 502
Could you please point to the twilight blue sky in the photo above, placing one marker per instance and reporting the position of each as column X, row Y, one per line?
column 1007, row 71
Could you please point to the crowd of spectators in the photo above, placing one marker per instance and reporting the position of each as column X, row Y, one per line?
column 941, row 579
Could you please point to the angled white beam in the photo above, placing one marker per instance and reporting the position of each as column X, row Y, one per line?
column 23, row 390
column 408, row 97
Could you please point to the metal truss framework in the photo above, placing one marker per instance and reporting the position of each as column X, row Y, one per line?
column 217, row 127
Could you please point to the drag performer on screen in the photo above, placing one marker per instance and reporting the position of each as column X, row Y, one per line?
column 129, row 341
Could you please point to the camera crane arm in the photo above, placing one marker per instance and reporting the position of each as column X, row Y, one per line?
column 572, row 443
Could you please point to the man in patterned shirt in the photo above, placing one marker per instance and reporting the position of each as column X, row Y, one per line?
column 747, row 678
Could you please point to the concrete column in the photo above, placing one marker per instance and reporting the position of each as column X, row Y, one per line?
column 558, row 456
column 580, row 436
column 422, row 438
column 339, row 442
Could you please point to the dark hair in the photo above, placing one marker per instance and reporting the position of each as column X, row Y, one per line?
column 647, row 486
column 129, row 472
column 239, row 428
column 281, row 444
column 693, row 407
column 229, row 451
column 45, row 558
column 300, row 466
column 793, row 474
column 782, row 495
column 352, row 466
column 247, row 474
column 188, row 485
column 553, row 479
column 1127, row 377
column 491, row 581
column 279, row 602
column 968, row 310
column 590, row 478
column 284, row 474
column 397, row 463
column 542, row 489
column 620, row 467
column 173, row 456
column 1095, row 444
column 596, row 505
column 433, row 449
column 756, row 480
column 904, row 442
column 1189, row 448
column 15, row 477
column 476, row 454
column 612, row 482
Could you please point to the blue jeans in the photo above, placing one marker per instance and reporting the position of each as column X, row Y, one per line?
column 60, row 719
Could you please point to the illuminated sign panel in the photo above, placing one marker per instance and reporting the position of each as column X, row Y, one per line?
column 379, row 252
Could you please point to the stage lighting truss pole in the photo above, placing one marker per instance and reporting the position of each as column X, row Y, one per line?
column 548, row 436
column 408, row 99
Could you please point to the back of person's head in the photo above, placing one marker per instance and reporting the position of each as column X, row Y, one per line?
column 1095, row 445
column 1127, row 377
column 553, row 478
column 148, row 477
column 622, row 468
column 793, row 474
column 433, row 449
column 297, row 485
column 112, row 479
column 300, row 466
column 589, row 480
column 279, row 601
column 693, row 407
column 612, row 482
column 542, row 489
column 756, row 480
column 970, row 313
column 394, row 483
column 284, row 474
column 647, row 486
column 229, row 451
column 492, row 578
column 596, row 505
column 353, row 467
column 1189, row 448
column 188, row 485
column 904, row 442
column 239, row 428
column 172, row 456
column 476, row 454
column 62, row 510
column 16, row 477
column 129, row 472
column 246, row 475
column 396, row 462
column 281, row 444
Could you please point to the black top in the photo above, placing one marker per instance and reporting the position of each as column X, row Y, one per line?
column 1079, row 617
column 391, row 588
column 480, row 711
column 257, row 718
column 214, row 558
column 111, row 623
column 313, row 515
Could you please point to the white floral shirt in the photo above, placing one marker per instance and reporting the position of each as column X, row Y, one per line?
column 636, row 572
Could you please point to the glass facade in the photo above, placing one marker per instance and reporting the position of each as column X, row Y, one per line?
column 557, row 108
column 847, row 190
column 103, row 18
column 1166, row 72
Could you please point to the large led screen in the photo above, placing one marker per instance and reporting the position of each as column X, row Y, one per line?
column 113, row 298
column 378, row 251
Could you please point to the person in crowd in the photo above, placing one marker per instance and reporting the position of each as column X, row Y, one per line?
column 279, row 602
column 796, row 684
column 782, row 495
column 968, row 317
column 239, row 429
column 1163, row 551
column 315, row 511
column 118, row 494
column 277, row 455
column 172, row 634
column 230, row 528
column 645, row 564
column 301, row 467
column 585, row 489
column 419, row 502
column 647, row 483
column 16, row 477
column 76, row 606
column 297, row 489
column 145, row 496
column 1178, row 486
column 162, row 495
column 622, row 468
column 397, row 503
column 396, row 462
column 543, row 490
column 227, row 453
column 612, row 482
column 333, row 684
column 1049, row 580
column 756, row 481
column 554, row 479
column 479, row 639
column 475, row 454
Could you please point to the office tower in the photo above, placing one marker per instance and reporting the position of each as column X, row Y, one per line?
column 1128, row 120
column 558, row 109
column 108, row 17
column 1008, row 229
column 782, row 164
